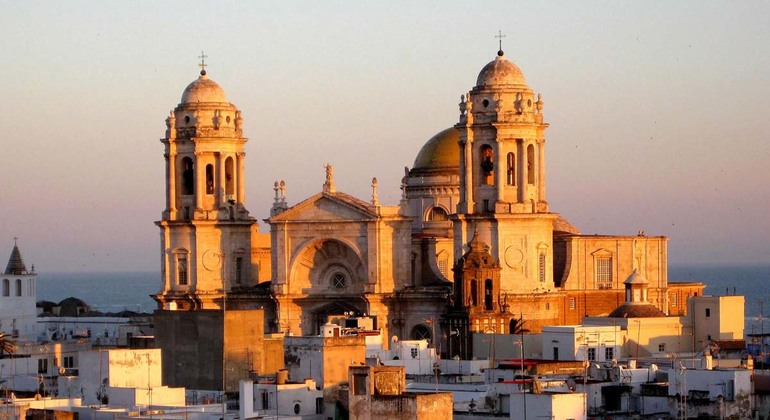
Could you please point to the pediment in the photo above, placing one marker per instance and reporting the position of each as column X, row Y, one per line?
column 327, row 207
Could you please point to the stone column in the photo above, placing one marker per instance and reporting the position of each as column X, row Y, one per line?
column 172, row 176
column 522, row 172
column 200, row 179
column 541, row 170
column 220, row 178
column 241, row 178
column 499, row 172
column 463, row 179
column 469, row 188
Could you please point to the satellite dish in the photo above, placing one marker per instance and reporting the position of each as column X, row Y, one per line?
column 394, row 339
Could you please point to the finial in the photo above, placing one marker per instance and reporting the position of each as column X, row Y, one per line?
column 283, row 191
column 500, row 37
column 276, row 188
column 329, row 184
column 14, row 240
column 203, row 64
column 375, row 200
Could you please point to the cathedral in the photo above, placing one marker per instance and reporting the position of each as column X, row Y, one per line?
column 472, row 247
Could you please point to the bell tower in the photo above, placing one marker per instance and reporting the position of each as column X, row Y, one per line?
column 205, row 228
column 502, row 177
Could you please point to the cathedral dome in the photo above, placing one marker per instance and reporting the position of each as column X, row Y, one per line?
column 203, row 89
column 440, row 152
column 500, row 71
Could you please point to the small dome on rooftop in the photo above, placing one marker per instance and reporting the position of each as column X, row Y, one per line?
column 637, row 310
column 500, row 71
column 439, row 152
column 203, row 89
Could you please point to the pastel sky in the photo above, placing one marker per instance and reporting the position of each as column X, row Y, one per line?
column 658, row 111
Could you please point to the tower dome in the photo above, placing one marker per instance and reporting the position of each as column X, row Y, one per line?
column 500, row 71
column 203, row 89
column 439, row 152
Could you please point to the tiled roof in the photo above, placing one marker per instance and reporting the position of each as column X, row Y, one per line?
column 15, row 263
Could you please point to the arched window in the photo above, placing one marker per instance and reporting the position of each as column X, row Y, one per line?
column 437, row 214
column 531, row 164
column 511, row 169
column 209, row 179
column 6, row 287
column 488, row 304
column 18, row 287
column 229, row 187
column 188, row 176
column 487, row 165
column 421, row 332
column 474, row 293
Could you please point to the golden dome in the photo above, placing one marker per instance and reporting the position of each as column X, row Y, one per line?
column 203, row 89
column 500, row 71
column 440, row 152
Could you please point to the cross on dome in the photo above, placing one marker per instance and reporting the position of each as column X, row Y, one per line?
column 203, row 64
column 500, row 37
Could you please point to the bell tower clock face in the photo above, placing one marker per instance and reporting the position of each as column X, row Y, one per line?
column 211, row 260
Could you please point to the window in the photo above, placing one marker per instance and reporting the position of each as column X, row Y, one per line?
column 42, row 365
column 238, row 270
column 511, row 169
column 488, row 297
column 229, row 188
column 673, row 300
column 6, row 287
column 662, row 347
column 547, row 306
column 708, row 312
column 209, row 179
column 296, row 408
column 604, row 273
column 69, row 362
column 319, row 405
column 609, row 353
column 443, row 265
column 421, row 332
column 487, row 165
column 474, row 293
column 542, row 267
column 359, row 384
column 531, row 164
column 18, row 287
column 188, row 176
column 181, row 269
column 436, row 214
column 265, row 400
column 571, row 304
column 338, row 281
column 591, row 353
column 555, row 353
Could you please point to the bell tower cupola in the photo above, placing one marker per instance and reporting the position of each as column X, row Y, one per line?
column 502, row 139
column 204, row 155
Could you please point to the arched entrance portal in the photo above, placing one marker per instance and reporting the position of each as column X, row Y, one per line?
column 328, row 279
column 336, row 310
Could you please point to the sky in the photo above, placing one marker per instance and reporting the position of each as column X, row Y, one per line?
column 658, row 111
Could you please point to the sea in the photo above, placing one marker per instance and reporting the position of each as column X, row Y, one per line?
column 114, row 292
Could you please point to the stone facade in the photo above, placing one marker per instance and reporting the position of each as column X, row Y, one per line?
column 332, row 254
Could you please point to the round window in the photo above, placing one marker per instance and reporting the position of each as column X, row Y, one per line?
column 296, row 408
column 339, row 281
